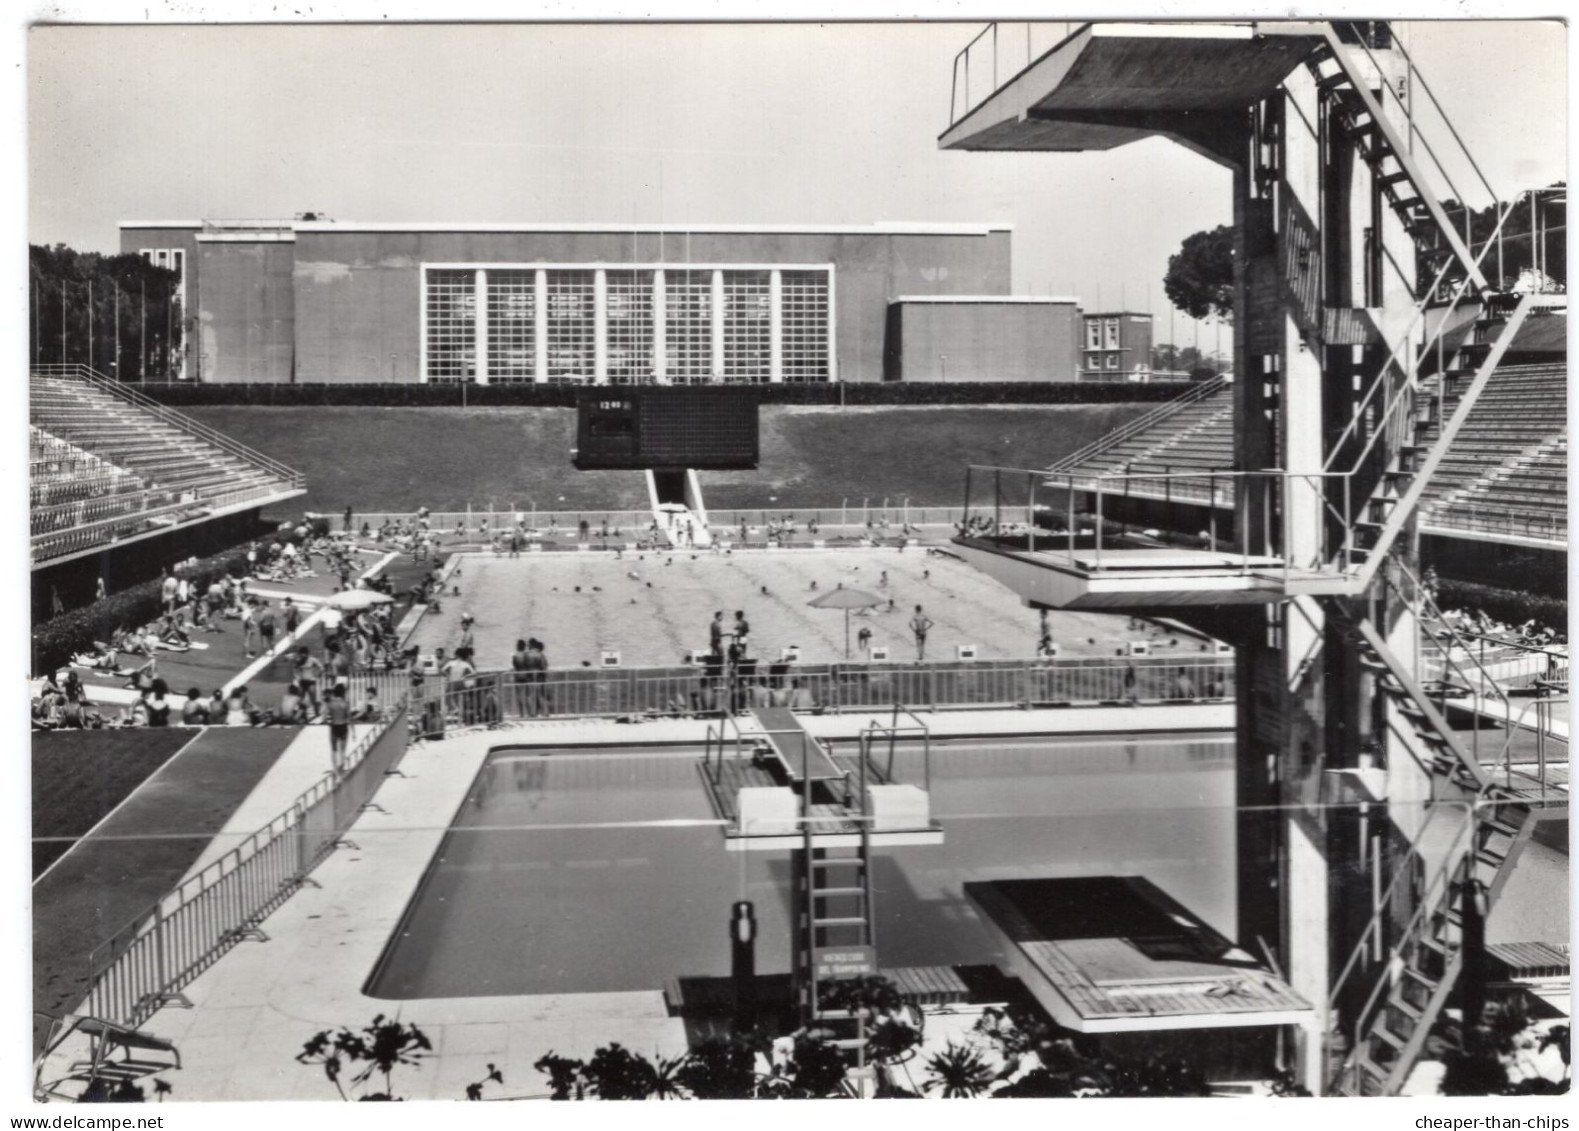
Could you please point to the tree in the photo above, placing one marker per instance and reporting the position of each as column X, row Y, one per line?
column 147, row 321
column 1184, row 359
column 1200, row 276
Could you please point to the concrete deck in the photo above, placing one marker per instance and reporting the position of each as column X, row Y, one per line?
column 255, row 1008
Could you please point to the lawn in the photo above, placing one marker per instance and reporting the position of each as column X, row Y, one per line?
column 444, row 458
column 79, row 776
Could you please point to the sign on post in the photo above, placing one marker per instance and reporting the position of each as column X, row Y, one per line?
column 844, row 961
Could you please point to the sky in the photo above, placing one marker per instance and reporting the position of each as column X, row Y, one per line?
column 612, row 123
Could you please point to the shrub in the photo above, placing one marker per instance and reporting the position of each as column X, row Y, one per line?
column 56, row 639
column 1511, row 606
column 863, row 393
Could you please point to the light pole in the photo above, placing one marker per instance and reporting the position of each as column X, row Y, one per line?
column 943, row 362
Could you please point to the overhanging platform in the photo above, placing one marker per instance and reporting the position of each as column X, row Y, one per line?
column 1110, row 84
column 1126, row 579
column 1115, row 954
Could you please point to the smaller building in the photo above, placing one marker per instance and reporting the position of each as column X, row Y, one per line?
column 982, row 338
column 1115, row 346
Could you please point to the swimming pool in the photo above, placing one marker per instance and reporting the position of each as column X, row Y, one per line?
column 572, row 871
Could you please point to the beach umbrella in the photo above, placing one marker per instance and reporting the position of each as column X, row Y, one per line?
column 352, row 599
column 846, row 599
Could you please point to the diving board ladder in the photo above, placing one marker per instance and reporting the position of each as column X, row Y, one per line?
column 835, row 937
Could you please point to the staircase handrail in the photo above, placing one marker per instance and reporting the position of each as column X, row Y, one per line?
column 1427, row 605
column 1450, row 860
column 1504, row 761
column 1361, row 86
column 1422, row 304
column 1406, row 503
column 1140, row 423
column 1417, row 76
column 179, row 420
column 1452, row 863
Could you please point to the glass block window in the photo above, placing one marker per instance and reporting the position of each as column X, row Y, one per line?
column 747, row 326
column 512, row 326
column 572, row 326
column 628, row 359
column 803, row 296
column 452, row 325
column 688, row 325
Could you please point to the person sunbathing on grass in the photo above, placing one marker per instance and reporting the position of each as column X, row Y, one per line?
column 103, row 658
column 173, row 637
column 142, row 679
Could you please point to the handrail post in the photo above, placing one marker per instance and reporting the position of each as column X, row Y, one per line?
column 1098, row 558
column 1030, row 514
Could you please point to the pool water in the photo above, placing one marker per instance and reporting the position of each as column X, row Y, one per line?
column 575, row 871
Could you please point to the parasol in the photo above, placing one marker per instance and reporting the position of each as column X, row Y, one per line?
column 846, row 599
column 352, row 599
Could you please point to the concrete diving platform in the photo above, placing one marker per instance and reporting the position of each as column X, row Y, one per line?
column 770, row 781
column 1128, row 578
column 1109, row 84
column 1116, row 954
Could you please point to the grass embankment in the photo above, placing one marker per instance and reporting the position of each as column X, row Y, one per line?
column 444, row 458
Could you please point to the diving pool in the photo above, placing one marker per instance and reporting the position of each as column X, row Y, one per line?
column 572, row 871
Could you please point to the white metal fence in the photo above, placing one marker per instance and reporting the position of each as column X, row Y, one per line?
column 149, row 962
column 491, row 697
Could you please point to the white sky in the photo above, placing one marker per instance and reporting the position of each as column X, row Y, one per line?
column 766, row 123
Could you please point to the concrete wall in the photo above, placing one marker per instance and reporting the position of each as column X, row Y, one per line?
column 246, row 324
column 983, row 341
column 357, row 293
column 134, row 240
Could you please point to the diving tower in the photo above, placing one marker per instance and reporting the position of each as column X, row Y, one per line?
column 1369, row 316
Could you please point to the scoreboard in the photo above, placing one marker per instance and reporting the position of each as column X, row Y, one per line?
column 636, row 428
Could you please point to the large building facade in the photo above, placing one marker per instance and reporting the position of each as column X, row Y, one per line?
column 317, row 301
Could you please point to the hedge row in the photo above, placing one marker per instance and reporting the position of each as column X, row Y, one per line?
column 1510, row 606
column 56, row 639
column 564, row 396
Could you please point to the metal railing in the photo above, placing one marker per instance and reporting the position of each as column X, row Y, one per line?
column 103, row 532
column 147, row 963
column 1541, row 526
column 491, row 698
column 1073, row 512
column 180, row 421
column 1545, row 736
column 887, row 518
column 997, row 54
column 1365, row 955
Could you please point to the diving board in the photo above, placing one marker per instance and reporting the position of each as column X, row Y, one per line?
column 792, row 746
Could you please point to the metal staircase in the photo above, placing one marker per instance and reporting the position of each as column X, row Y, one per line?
column 1425, row 964
column 1422, row 971
column 1411, row 412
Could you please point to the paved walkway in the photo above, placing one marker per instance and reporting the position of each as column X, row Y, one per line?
column 261, row 1001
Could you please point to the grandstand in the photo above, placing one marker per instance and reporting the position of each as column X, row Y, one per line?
column 109, row 465
column 1193, row 433
column 1504, row 477
column 1506, row 474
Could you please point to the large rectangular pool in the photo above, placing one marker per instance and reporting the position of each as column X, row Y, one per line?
column 575, row 871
